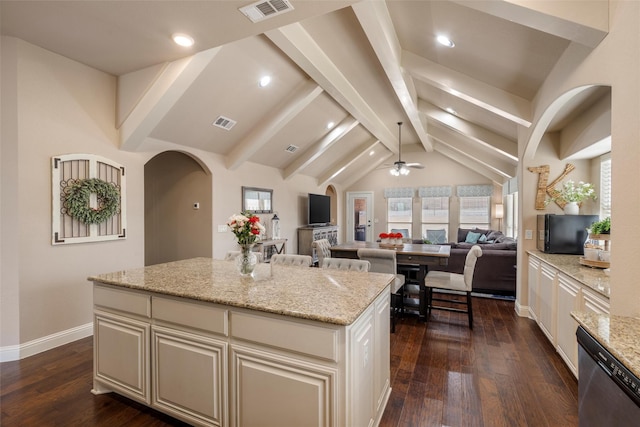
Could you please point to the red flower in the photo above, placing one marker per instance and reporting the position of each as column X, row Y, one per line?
column 254, row 219
column 255, row 231
column 384, row 236
column 397, row 235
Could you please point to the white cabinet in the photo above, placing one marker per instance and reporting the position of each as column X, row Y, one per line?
column 216, row 365
column 594, row 303
column 547, row 300
column 568, row 301
column 534, row 273
column 121, row 327
column 553, row 295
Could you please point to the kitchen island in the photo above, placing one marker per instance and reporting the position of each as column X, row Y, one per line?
column 288, row 346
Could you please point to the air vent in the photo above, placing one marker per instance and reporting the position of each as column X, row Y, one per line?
column 291, row 148
column 265, row 9
column 224, row 123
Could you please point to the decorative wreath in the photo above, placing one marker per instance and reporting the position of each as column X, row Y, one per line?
column 77, row 200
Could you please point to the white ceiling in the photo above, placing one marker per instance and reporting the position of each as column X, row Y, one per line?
column 363, row 65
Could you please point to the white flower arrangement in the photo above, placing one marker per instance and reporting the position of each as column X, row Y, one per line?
column 572, row 192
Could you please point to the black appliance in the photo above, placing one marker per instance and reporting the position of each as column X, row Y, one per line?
column 563, row 234
column 608, row 393
column 319, row 209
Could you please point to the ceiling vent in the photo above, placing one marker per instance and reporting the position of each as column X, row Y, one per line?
column 224, row 123
column 291, row 149
column 265, row 9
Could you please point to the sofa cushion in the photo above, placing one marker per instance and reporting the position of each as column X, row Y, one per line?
column 462, row 232
column 472, row 237
column 494, row 235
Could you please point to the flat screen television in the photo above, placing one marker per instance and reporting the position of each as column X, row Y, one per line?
column 319, row 209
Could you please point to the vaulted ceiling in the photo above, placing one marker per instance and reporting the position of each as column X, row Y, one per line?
column 362, row 65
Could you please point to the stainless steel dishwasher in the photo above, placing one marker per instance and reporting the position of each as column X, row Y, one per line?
column 608, row 393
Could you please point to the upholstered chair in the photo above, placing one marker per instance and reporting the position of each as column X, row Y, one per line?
column 454, row 285
column 346, row 264
column 295, row 260
column 384, row 261
column 323, row 249
column 231, row 255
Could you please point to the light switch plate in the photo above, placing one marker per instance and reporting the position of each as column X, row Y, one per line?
column 528, row 234
column 222, row 228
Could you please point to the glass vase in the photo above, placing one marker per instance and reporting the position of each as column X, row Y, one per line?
column 247, row 260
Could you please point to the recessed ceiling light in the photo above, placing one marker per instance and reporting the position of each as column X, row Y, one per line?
column 264, row 81
column 371, row 153
column 445, row 41
column 451, row 111
column 183, row 39
column 330, row 125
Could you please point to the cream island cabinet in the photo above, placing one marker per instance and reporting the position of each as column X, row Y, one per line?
column 558, row 285
column 290, row 346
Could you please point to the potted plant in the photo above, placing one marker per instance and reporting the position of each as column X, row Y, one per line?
column 601, row 227
column 573, row 194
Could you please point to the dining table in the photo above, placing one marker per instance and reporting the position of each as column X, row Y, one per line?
column 414, row 254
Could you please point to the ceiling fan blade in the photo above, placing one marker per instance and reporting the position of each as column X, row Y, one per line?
column 415, row 165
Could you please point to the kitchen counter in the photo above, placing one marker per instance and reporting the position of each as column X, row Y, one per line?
column 618, row 334
column 594, row 278
column 330, row 296
column 196, row 340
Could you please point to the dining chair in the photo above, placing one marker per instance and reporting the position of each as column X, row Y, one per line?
column 384, row 261
column 231, row 255
column 291, row 259
column 323, row 249
column 346, row 264
column 448, row 287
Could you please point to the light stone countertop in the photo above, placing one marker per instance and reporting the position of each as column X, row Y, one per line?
column 329, row 296
column 618, row 334
column 593, row 278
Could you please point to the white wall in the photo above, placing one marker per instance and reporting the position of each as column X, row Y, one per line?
column 615, row 62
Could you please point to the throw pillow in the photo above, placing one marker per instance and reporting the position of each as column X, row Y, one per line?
column 482, row 239
column 494, row 235
column 472, row 237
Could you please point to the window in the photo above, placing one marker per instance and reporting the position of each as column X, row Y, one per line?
column 399, row 214
column 474, row 211
column 435, row 219
column 605, row 185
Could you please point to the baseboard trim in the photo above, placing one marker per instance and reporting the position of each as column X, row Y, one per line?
column 522, row 310
column 16, row 352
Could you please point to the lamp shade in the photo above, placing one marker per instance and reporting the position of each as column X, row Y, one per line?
column 499, row 211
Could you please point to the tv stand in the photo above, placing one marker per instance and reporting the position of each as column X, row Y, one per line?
column 309, row 234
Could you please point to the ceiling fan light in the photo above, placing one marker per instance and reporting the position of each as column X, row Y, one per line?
column 404, row 170
column 394, row 172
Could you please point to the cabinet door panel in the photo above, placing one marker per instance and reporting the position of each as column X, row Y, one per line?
column 121, row 354
column 534, row 277
column 547, row 300
column 568, row 291
column 273, row 390
column 189, row 376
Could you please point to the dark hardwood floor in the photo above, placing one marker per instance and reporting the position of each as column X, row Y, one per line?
column 503, row 373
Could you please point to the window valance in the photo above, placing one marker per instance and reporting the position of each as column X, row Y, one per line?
column 435, row 191
column 474, row 190
column 398, row 192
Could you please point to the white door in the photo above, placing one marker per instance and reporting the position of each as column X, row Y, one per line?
column 360, row 216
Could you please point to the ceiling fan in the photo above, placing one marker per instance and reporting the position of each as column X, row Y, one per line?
column 401, row 167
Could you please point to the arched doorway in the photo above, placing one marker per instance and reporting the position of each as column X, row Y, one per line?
column 177, row 208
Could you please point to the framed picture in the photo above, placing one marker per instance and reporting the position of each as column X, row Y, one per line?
column 257, row 200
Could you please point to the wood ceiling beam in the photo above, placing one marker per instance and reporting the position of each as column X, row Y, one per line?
column 316, row 150
column 472, row 150
column 582, row 21
column 350, row 159
column 378, row 27
column 468, row 162
column 272, row 123
column 300, row 47
column 499, row 102
column 501, row 146
column 166, row 90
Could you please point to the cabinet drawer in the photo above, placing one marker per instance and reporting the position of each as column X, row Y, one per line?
column 192, row 314
column 122, row 300
column 299, row 337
